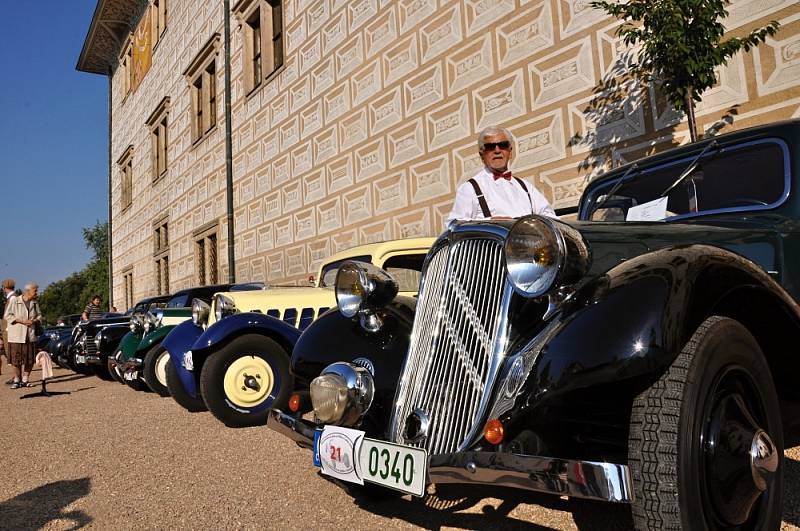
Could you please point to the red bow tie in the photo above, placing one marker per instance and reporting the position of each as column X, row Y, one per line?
column 502, row 175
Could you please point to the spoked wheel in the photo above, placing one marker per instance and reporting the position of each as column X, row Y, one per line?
column 155, row 369
column 706, row 441
column 241, row 381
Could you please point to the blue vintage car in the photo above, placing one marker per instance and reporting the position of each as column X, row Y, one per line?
column 233, row 357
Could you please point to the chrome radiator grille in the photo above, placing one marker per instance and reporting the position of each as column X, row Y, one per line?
column 91, row 346
column 456, row 345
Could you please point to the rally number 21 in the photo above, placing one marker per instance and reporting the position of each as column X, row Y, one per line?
column 382, row 464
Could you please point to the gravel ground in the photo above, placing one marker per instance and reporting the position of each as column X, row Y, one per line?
column 111, row 458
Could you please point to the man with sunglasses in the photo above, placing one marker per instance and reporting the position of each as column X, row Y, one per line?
column 494, row 191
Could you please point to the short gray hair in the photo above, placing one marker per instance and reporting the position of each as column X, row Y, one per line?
column 494, row 130
column 31, row 285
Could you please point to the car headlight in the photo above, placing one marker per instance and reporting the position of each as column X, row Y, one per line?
column 541, row 253
column 223, row 306
column 98, row 339
column 342, row 394
column 137, row 323
column 200, row 312
column 361, row 290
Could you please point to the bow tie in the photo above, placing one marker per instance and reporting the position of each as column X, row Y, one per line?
column 501, row 175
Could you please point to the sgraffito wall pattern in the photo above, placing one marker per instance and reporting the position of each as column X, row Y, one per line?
column 370, row 126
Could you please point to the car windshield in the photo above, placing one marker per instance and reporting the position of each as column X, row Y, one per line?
column 329, row 271
column 406, row 270
column 179, row 300
column 752, row 176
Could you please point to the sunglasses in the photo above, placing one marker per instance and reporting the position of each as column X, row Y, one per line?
column 504, row 145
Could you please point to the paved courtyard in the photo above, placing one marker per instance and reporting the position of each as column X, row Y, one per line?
column 107, row 457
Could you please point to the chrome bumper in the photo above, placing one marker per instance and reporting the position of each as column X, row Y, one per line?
column 93, row 360
column 580, row 479
column 133, row 364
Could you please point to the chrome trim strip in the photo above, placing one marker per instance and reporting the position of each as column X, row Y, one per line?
column 591, row 480
column 299, row 430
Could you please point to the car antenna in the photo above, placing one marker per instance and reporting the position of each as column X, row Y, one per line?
column 616, row 186
column 689, row 169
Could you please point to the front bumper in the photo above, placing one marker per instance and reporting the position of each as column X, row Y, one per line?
column 133, row 364
column 565, row 477
column 94, row 360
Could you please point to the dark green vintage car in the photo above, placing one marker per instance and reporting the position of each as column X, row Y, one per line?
column 643, row 354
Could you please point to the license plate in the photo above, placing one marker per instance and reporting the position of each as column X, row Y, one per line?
column 347, row 455
column 80, row 359
column 131, row 375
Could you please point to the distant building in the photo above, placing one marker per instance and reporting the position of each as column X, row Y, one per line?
column 354, row 120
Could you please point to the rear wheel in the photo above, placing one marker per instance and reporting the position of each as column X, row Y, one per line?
column 155, row 369
column 706, row 441
column 241, row 381
column 180, row 395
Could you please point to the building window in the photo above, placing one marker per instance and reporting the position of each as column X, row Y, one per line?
column 158, row 19
column 128, row 283
column 125, row 165
column 157, row 123
column 126, row 68
column 206, row 256
column 263, row 39
column 202, row 77
column 161, row 256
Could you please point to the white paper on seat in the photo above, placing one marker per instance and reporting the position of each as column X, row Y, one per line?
column 650, row 211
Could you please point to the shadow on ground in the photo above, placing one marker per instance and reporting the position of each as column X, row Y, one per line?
column 38, row 507
column 445, row 509
column 791, row 491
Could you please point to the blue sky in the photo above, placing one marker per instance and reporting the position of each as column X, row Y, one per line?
column 53, row 141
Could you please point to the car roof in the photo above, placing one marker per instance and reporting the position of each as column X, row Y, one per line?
column 379, row 249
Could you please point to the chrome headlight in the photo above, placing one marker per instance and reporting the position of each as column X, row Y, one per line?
column 223, row 306
column 541, row 253
column 98, row 339
column 150, row 322
column 361, row 290
column 200, row 312
column 136, row 323
column 342, row 394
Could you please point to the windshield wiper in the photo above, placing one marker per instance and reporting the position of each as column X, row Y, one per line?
column 616, row 186
column 689, row 169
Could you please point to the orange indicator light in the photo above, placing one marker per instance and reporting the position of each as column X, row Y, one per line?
column 493, row 432
column 294, row 403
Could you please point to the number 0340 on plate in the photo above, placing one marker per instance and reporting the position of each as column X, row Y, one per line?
column 347, row 455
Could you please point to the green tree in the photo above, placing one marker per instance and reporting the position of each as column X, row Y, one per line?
column 681, row 45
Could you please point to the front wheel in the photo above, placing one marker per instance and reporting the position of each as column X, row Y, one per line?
column 706, row 441
column 155, row 369
column 241, row 381
column 180, row 395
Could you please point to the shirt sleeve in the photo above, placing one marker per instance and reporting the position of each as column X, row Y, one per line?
column 541, row 205
column 464, row 205
column 8, row 313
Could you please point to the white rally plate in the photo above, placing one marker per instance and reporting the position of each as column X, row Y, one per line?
column 395, row 466
column 347, row 455
column 80, row 359
column 131, row 375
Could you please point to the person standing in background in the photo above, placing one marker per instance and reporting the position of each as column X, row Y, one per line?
column 22, row 315
column 93, row 310
column 8, row 292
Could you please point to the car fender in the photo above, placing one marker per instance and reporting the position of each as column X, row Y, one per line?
column 245, row 323
column 180, row 340
column 624, row 328
column 153, row 338
column 129, row 345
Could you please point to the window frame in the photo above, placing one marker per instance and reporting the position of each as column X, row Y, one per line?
column 158, row 22
column 125, row 62
column 127, row 286
column 591, row 195
column 204, row 238
column 271, row 39
column 125, row 169
column 158, row 124
column 201, row 77
column 161, row 255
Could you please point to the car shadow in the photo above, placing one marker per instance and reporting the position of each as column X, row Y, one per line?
column 791, row 489
column 446, row 508
column 38, row 507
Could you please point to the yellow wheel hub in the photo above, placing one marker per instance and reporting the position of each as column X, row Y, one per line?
column 248, row 381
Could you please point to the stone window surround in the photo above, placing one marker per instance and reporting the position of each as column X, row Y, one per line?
column 158, row 123
column 158, row 22
column 202, row 237
column 243, row 10
column 127, row 276
column 125, row 62
column 197, row 69
column 125, row 166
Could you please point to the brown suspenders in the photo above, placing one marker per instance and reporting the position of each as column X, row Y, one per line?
column 482, row 200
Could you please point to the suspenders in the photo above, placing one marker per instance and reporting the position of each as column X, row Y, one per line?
column 482, row 200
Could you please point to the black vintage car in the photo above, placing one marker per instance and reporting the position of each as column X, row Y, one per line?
column 93, row 341
column 642, row 354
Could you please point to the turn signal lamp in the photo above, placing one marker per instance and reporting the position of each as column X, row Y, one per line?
column 295, row 402
column 493, row 432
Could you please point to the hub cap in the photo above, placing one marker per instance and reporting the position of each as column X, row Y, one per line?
column 740, row 457
column 248, row 381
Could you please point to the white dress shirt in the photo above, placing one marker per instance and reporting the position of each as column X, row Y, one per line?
column 505, row 198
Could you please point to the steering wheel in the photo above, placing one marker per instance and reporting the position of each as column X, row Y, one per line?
column 745, row 201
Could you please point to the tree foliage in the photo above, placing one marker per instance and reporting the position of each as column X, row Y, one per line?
column 70, row 295
column 681, row 44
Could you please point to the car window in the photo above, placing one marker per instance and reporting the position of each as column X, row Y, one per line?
column 329, row 270
column 180, row 300
column 406, row 270
column 751, row 176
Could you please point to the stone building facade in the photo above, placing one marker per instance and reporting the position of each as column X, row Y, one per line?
column 369, row 122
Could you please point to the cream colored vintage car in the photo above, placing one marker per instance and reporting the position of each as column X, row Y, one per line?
column 233, row 358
